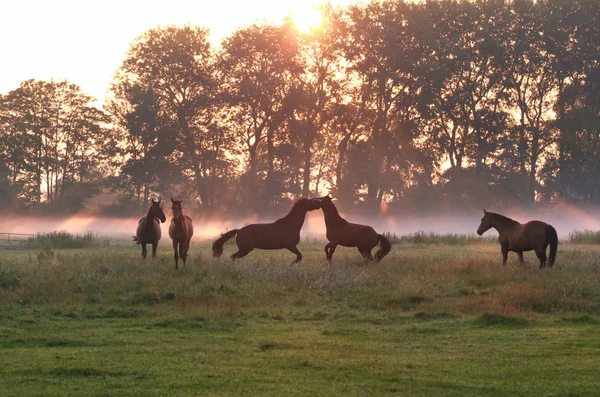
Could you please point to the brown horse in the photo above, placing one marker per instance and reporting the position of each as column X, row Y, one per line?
column 517, row 237
column 148, row 230
column 341, row 232
column 284, row 233
column 181, row 231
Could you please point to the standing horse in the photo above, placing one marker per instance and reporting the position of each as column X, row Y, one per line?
column 517, row 237
column 283, row 233
column 341, row 232
column 148, row 230
column 181, row 231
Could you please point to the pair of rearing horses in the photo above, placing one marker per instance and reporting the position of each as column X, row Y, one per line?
column 181, row 230
column 284, row 233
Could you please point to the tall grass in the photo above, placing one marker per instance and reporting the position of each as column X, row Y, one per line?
column 422, row 237
column 412, row 278
column 584, row 237
column 62, row 239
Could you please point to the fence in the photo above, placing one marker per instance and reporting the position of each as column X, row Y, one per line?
column 13, row 240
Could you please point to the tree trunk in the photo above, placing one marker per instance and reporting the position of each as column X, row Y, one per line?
column 193, row 157
column 307, row 161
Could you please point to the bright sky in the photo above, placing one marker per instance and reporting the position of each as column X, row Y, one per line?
column 85, row 41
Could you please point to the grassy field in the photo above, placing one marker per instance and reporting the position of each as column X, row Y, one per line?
column 430, row 319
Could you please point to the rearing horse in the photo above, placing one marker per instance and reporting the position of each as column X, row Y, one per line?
column 148, row 230
column 181, row 231
column 517, row 237
column 283, row 233
column 341, row 232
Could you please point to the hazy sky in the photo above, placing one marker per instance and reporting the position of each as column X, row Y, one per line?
column 85, row 41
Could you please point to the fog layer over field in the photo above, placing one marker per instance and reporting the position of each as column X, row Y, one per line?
column 564, row 218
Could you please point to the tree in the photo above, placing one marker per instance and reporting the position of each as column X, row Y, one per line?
column 257, row 63
column 177, row 64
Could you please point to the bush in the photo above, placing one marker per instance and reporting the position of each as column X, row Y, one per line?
column 63, row 239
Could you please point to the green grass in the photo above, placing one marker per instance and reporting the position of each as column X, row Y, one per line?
column 435, row 320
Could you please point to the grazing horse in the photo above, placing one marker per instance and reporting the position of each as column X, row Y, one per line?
column 283, row 233
column 517, row 237
column 341, row 232
column 181, row 231
column 148, row 230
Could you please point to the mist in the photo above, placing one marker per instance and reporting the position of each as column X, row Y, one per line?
column 565, row 218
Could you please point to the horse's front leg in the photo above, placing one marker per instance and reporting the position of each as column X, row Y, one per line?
column 331, row 251
column 154, row 245
column 504, row 254
column 175, row 255
column 294, row 249
column 327, row 250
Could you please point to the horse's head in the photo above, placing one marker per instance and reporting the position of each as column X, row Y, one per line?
column 326, row 201
column 486, row 223
column 310, row 204
column 176, row 208
column 157, row 211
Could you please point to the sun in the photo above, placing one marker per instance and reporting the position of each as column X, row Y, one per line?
column 306, row 19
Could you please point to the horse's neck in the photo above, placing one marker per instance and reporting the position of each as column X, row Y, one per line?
column 332, row 217
column 180, row 221
column 295, row 218
column 150, row 221
column 504, row 224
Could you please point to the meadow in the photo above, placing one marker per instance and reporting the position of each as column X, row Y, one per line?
column 435, row 317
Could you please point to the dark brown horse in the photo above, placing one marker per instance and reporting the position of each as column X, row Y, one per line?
column 341, row 232
column 148, row 230
column 181, row 231
column 284, row 233
column 517, row 237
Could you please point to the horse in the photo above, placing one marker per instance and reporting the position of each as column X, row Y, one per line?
column 284, row 233
column 181, row 231
column 148, row 230
column 341, row 232
column 517, row 237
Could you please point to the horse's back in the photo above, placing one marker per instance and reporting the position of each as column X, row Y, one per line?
column 535, row 231
column 266, row 236
column 352, row 234
column 145, row 236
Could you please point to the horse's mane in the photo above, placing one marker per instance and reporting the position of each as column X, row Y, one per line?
column 295, row 206
column 504, row 220
column 334, row 211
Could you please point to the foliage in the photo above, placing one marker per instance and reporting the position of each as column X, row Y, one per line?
column 426, row 105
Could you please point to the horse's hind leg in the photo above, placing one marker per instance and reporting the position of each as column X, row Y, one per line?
column 294, row 249
column 366, row 253
column 175, row 256
column 542, row 257
column 154, row 245
column 241, row 253
column 521, row 259
column 144, row 252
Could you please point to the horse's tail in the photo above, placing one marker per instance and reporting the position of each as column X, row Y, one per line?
column 217, row 247
column 553, row 237
column 384, row 248
column 135, row 240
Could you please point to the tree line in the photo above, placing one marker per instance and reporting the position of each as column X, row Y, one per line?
column 391, row 104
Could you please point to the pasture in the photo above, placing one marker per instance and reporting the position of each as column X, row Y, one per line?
column 430, row 319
